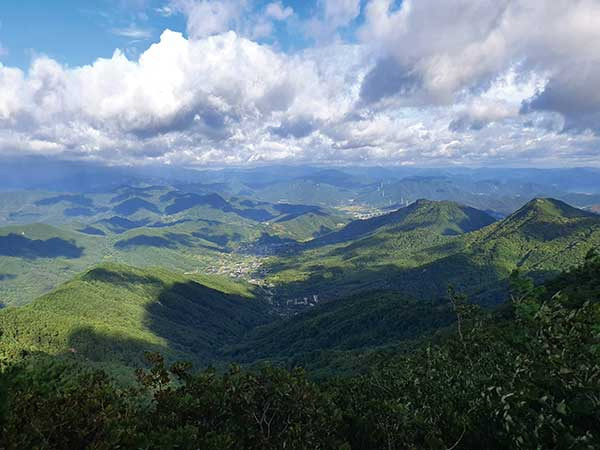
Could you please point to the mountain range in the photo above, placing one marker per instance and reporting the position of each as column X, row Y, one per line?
column 370, row 285
column 359, row 298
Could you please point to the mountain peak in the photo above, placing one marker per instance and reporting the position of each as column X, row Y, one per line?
column 545, row 219
column 549, row 207
column 442, row 217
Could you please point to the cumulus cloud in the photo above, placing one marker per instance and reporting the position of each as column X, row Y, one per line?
column 481, row 112
column 442, row 49
column 208, row 17
column 261, row 25
column 574, row 94
column 332, row 15
column 428, row 82
column 205, row 98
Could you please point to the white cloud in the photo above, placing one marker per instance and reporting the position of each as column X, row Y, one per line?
column 208, row 17
column 277, row 11
column 431, row 82
column 450, row 46
column 332, row 15
column 339, row 13
column 211, row 100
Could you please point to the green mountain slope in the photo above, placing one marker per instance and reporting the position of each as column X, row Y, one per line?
column 446, row 218
column 36, row 258
column 368, row 254
column 523, row 377
column 112, row 314
column 542, row 238
column 347, row 335
column 327, row 336
column 140, row 226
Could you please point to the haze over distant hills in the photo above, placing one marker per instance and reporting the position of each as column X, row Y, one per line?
column 229, row 221
column 341, row 271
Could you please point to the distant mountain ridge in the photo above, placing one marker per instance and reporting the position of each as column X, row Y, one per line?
column 445, row 217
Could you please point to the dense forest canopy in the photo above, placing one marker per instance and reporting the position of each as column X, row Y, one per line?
column 526, row 375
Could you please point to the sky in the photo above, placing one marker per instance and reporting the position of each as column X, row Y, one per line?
column 200, row 83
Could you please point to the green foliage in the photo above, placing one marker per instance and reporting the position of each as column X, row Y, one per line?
column 581, row 283
column 270, row 409
column 60, row 406
column 529, row 379
column 113, row 313
column 532, row 382
column 344, row 327
column 57, row 405
column 414, row 257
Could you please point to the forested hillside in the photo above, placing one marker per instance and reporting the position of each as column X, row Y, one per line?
column 526, row 376
column 542, row 238
column 47, row 237
column 112, row 314
column 344, row 335
column 372, row 308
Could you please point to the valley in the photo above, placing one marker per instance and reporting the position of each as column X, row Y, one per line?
column 229, row 272
column 228, row 225
column 297, row 256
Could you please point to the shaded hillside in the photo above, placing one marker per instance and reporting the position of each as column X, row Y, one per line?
column 133, row 205
column 119, row 225
column 186, row 201
column 74, row 199
column 113, row 313
column 357, row 324
column 18, row 245
column 347, row 334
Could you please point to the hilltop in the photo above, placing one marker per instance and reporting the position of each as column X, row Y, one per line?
column 443, row 217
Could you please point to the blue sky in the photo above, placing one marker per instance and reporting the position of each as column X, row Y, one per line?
column 243, row 82
column 76, row 32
